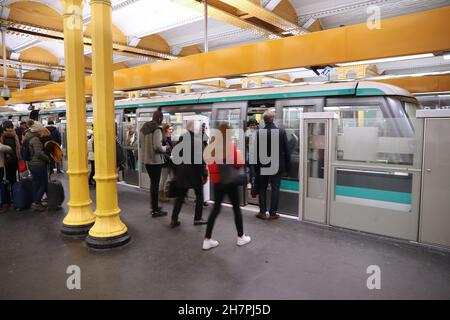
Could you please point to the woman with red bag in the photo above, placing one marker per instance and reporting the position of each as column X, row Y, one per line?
column 221, row 189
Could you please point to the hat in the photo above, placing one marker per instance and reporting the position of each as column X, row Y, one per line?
column 36, row 127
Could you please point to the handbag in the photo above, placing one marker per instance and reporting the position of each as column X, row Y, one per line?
column 229, row 174
column 22, row 166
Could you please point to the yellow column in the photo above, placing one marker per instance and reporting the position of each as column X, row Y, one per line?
column 108, row 231
column 80, row 217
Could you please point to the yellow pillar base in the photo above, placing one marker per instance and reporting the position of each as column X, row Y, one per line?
column 108, row 232
column 80, row 217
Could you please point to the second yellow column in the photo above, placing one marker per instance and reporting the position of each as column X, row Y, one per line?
column 108, row 231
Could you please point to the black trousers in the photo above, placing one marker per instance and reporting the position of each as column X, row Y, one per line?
column 220, row 191
column 11, row 172
column 154, row 173
column 198, row 203
column 274, row 181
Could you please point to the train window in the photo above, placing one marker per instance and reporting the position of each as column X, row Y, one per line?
column 177, row 120
column 291, row 123
column 230, row 116
column 366, row 134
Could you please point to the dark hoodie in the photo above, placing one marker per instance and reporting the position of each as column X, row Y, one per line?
column 56, row 136
column 150, row 143
column 10, row 139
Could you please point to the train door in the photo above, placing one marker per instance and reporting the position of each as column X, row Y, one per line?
column 130, row 147
column 254, row 115
column 177, row 117
column 435, row 204
column 201, row 120
column 143, row 116
column 234, row 114
column 289, row 116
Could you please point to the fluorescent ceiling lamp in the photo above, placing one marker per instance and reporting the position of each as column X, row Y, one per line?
column 202, row 80
column 446, row 56
column 431, row 93
column 14, row 55
column 402, row 58
column 394, row 76
column 275, row 72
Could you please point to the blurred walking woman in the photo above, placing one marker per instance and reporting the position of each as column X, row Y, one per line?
column 223, row 187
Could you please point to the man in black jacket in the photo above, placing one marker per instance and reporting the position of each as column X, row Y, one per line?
column 190, row 175
column 283, row 159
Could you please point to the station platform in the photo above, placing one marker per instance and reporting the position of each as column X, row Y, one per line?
column 285, row 260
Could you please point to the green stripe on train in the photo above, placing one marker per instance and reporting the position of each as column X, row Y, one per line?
column 290, row 185
column 374, row 194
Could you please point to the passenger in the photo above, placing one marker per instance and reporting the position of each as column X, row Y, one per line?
column 131, row 142
column 29, row 124
column 250, row 139
column 56, row 136
column 91, row 158
column 150, row 144
column 46, row 136
column 4, row 149
column 12, row 159
column 190, row 176
column 167, row 171
column 274, row 180
column 20, row 131
column 205, row 140
column 37, row 165
column 221, row 189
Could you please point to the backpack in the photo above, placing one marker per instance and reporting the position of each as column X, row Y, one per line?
column 55, row 151
column 10, row 157
column 25, row 152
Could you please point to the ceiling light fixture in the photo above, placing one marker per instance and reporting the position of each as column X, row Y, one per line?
column 392, row 59
column 202, row 80
column 275, row 72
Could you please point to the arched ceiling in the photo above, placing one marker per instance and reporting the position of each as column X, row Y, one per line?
column 36, row 13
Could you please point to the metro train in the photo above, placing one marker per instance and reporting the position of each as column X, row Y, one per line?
column 355, row 147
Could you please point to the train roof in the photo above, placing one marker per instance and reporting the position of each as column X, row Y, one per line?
column 292, row 91
column 351, row 88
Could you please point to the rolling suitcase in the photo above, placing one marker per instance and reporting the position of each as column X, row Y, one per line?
column 55, row 195
column 5, row 195
column 22, row 194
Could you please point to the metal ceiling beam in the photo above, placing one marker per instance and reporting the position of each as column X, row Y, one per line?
column 266, row 15
column 40, row 32
column 27, row 80
column 226, row 17
column 405, row 35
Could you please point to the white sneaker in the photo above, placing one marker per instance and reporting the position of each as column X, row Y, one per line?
column 209, row 244
column 241, row 241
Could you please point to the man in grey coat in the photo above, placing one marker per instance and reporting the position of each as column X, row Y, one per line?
column 152, row 150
